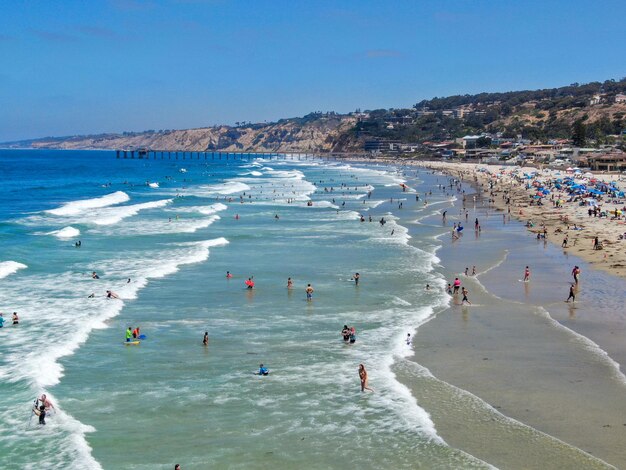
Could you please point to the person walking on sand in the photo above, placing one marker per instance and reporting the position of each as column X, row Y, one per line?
column 309, row 292
column 527, row 274
column 572, row 294
column 363, row 377
column 464, row 298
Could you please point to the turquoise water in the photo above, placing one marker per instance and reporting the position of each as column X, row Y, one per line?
column 173, row 228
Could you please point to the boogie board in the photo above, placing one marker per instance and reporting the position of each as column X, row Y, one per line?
column 132, row 343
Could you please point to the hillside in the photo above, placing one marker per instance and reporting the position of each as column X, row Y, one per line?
column 597, row 110
column 314, row 133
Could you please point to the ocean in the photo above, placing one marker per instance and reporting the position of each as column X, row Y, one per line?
column 161, row 234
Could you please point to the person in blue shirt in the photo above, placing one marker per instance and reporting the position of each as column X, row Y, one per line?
column 263, row 370
column 1, row 321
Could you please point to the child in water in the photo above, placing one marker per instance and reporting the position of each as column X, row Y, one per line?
column 263, row 370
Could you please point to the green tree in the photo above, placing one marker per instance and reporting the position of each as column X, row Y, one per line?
column 579, row 133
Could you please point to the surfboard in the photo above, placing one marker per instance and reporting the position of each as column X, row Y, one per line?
column 132, row 343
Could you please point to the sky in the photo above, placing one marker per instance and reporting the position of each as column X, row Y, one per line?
column 80, row 67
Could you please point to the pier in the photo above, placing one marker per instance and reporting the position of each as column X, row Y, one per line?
column 151, row 154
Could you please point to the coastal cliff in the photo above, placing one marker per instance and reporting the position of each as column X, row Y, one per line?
column 313, row 133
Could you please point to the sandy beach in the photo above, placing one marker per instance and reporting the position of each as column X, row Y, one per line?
column 519, row 187
column 519, row 352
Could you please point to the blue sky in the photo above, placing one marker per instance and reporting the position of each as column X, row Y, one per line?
column 76, row 67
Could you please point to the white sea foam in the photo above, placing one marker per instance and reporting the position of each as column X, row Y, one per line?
column 205, row 210
column 155, row 227
column 113, row 215
column 9, row 267
column 65, row 232
column 76, row 207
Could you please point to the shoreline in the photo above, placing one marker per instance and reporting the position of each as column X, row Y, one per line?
column 559, row 222
column 525, row 372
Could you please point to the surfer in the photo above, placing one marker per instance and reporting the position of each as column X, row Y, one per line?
column 92, row 295
column 16, row 320
column 527, row 274
column 363, row 377
column 356, row 278
column 309, row 292
column 263, row 370
column 112, row 295
column 205, row 340
column 129, row 334
column 41, row 412
column 136, row 333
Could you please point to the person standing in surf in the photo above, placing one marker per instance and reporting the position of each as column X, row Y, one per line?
column 309, row 292
column 457, row 285
column 464, row 291
column 363, row 377
column 205, row 340
column 129, row 334
column 356, row 278
column 527, row 274
column 572, row 294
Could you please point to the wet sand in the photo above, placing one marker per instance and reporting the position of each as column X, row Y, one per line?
column 519, row 349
